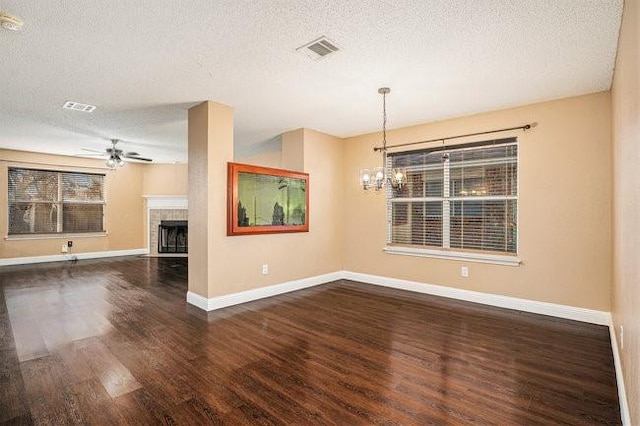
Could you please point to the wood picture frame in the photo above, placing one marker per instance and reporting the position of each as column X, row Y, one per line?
column 264, row 200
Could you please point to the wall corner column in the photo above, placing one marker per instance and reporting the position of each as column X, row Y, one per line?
column 210, row 148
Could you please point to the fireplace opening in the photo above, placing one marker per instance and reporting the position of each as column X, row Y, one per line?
column 173, row 236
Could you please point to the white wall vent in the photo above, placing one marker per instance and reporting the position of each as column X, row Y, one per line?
column 319, row 48
column 77, row 106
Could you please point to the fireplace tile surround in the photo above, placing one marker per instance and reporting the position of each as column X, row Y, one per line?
column 163, row 208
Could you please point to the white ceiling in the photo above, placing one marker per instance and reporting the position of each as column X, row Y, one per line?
column 145, row 62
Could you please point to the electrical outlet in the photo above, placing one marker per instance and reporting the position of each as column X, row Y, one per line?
column 69, row 244
column 464, row 271
column 265, row 269
column 65, row 248
column 621, row 337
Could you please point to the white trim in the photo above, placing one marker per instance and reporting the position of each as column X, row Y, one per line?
column 71, row 256
column 625, row 415
column 494, row 259
column 533, row 306
column 220, row 302
column 198, row 301
column 166, row 202
column 536, row 307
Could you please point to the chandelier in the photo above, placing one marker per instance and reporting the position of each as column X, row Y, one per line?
column 378, row 177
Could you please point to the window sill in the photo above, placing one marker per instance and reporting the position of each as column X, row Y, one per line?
column 54, row 236
column 494, row 259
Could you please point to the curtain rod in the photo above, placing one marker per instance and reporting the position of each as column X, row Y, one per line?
column 524, row 127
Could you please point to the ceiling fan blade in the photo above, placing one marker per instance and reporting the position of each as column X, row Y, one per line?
column 131, row 154
column 136, row 158
column 90, row 154
column 92, row 150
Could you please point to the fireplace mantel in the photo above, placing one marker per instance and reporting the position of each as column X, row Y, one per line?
column 166, row 201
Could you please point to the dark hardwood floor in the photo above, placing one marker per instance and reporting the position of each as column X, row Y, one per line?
column 114, row 342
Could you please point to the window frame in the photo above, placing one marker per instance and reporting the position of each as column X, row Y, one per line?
column 60, row 204
column 470, row 255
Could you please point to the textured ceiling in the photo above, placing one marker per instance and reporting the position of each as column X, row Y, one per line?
column 145, row 62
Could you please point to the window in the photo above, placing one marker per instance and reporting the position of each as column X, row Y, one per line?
column 51, row 202
column 461, row 198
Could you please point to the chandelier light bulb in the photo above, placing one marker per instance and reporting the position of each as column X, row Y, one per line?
column 9, row 22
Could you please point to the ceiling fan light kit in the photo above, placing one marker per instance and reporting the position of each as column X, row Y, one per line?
column 114, row 161
column 115, row 156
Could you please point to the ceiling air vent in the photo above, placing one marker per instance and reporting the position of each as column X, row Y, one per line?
column 319, row 48
column 77, row 106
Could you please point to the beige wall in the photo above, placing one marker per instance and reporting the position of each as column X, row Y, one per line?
column 290, row 156
column 165, row 179
column 264, row 159
column 294, row 255
column 123, row 211
column 626, row 204
column 290, row 256
column 564, row 203
column 293, row 155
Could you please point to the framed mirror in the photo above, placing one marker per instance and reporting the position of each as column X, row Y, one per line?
column 262, row 200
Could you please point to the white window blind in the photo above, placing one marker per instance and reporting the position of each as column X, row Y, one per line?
column 462, row 198
column 51, row 202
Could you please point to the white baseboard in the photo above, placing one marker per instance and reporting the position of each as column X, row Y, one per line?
column 198, row 301
column 220, row 302
column 533, row 306
column 71, row 256
column 622, row 393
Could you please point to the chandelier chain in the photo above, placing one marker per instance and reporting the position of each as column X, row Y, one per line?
column 384, row 121
column 383, row 177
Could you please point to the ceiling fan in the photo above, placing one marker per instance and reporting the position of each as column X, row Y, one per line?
column 115, row 156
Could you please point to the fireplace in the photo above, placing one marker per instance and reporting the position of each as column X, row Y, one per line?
column 173, row 236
